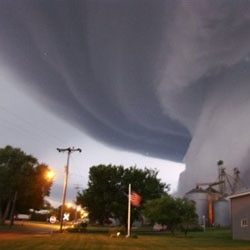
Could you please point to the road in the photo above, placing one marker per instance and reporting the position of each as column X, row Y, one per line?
column 37, row 227
column 29, row 227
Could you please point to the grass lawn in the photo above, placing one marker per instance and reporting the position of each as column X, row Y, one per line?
column 214, row 239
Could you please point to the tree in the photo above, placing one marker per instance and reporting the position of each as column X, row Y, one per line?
column 162, row 211
column 170, row 211
column 187, row 212
column 23, row 183
column 106, row 195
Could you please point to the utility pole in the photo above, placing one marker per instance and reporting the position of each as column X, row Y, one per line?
column 65, row 183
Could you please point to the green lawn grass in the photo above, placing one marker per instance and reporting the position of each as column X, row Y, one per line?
column 211, row 239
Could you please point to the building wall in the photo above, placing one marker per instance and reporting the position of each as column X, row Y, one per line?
column 240, row 211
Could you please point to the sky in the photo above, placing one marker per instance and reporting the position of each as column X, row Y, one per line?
column 162, row 84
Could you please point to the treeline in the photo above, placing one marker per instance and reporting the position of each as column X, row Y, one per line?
column 23, row 183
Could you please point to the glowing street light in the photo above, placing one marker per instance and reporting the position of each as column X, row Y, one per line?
column 50, row 175
column 69, row 205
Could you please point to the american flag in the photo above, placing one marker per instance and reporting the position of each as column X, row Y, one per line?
column 135, row 199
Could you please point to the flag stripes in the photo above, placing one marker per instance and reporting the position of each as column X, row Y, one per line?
column 135, row 199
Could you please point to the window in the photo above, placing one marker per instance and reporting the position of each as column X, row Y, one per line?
column 244, row 222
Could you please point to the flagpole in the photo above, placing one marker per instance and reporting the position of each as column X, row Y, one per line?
column 129, row 210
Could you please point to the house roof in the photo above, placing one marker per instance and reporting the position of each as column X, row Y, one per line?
column 244, row 193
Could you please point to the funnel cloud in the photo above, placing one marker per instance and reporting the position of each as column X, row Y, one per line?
column 168, row 79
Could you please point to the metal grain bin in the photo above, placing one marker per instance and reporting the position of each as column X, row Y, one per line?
column 222, row 213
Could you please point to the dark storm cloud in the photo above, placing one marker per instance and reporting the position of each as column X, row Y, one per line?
column 154, row 77
column 93, row 63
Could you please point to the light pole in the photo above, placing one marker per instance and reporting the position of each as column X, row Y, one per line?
column 65, row 183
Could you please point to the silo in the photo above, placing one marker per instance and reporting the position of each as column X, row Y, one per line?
column 200, row 197
column 222, row 213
